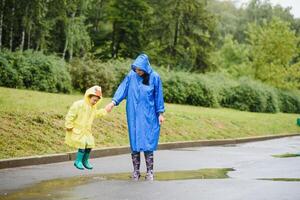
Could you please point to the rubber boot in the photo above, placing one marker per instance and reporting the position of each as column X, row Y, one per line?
column 136, row 161
column 85, row 161
column 78, row 162
column 149, row 165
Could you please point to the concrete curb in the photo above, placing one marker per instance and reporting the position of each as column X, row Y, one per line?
column 111, row 151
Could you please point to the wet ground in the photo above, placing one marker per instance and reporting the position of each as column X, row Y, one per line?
column 262, row 170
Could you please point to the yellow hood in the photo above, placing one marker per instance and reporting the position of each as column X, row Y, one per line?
column 95, row 90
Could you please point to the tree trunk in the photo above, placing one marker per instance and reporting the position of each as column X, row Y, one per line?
column 28, row 38
column 175, row 40
column 23, row 40
column 175, row 37
column 113, row 40
column 1, row 22
column 12, row 27
column 71, row 52
column 65, row 49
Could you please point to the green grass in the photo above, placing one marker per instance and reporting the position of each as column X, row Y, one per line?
column 32, row 123
column 281, row 179
column 287, row 155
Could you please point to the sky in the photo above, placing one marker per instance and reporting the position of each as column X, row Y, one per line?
column 294, row 4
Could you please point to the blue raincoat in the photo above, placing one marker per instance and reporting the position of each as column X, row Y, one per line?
column 144, row 103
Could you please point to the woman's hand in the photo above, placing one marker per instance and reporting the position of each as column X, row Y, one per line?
column 109, row 107
column 161, row 118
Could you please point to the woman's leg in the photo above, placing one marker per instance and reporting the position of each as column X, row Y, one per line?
column 86, row 157
column 78, row 162
column 136, row 161
column 149, row 164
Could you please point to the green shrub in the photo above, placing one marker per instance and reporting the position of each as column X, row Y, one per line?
column 86, row 73
column 289, row 102
column 252, row 96
column 34, row 70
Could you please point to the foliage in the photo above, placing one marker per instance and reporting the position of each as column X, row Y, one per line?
column 273, row 46
column 34, row 70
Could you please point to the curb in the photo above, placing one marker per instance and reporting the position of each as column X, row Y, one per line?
column 111, row 151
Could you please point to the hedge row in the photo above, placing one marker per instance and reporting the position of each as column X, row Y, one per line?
column 36, row 71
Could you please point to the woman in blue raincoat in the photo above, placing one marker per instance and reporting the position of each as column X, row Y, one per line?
column 142, row 88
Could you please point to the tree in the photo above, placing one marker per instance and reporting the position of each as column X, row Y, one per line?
column 232, row 58
column 77, row 38
column 129, row 21
column 182, row 34
column 273, row 46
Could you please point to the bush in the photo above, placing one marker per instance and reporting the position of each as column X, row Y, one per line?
column 34, row 70
column 252, row 96
column 184, row 88
column 86, row 73
column 289, row 102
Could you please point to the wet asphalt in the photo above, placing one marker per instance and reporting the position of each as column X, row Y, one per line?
column 251, row 162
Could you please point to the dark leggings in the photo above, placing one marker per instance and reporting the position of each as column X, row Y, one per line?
column 87, row 150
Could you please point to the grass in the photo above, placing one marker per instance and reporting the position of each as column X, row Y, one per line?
column 281, row 179
column 32, row 123
column 287, row 155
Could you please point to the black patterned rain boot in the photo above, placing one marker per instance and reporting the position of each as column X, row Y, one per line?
column 149, row 164
column 136, row 161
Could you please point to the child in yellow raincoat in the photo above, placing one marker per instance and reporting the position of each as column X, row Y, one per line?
column 79, row 123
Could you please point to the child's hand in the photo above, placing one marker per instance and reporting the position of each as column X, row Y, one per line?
column 109, row 107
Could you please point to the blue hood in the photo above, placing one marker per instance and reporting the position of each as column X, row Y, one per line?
column 142, row 62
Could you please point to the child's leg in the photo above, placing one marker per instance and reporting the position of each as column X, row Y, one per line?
column 136, row 160
column 78, row 162
column 149, row 158
column 86, row 158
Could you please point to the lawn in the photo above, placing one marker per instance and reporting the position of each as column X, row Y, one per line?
column 32, row 123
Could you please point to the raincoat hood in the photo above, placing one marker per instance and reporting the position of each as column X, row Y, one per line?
column 142, row 62
column 95, row 90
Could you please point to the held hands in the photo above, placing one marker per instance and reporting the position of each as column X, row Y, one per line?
column 109, row 107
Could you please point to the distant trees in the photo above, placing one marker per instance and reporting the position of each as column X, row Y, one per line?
column 258, row 40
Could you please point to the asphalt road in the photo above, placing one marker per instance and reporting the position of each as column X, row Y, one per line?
column 251, row 161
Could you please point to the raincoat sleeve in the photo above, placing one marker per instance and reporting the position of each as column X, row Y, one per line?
column 122, row 91
column 100, row 113
column 159, row 97
column 71, row 116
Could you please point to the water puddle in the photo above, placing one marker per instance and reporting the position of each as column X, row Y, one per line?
column 62, row 188
column 218, row 173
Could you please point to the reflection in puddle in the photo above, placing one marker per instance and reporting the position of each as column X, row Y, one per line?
column 61, row 188
column 180, row 175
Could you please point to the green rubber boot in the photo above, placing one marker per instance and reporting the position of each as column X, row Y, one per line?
column 86, row 158
column 78, row 162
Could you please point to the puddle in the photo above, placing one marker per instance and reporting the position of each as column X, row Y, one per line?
column 287, row 155
column 61, row 188
column 281, row 179
column 179, row 175
column 184, row 149
column 48, row 190
column 229, row 145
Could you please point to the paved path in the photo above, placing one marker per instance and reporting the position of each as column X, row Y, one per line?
column 251, row 162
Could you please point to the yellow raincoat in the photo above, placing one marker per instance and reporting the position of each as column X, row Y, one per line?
column 80, row 118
